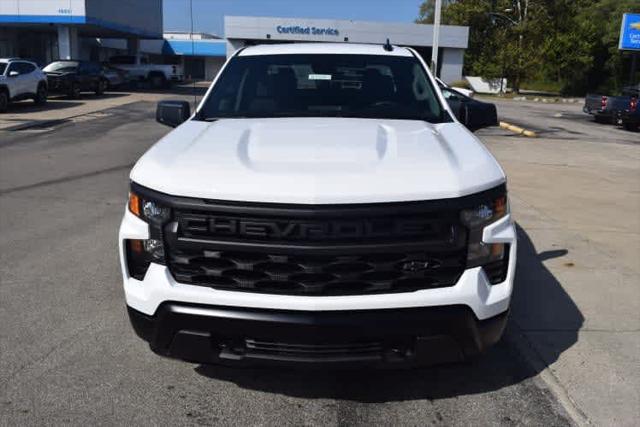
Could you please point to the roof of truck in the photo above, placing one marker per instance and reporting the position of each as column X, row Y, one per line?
column 324, row 48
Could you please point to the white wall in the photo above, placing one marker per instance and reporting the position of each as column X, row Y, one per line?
column 43, row 7
column 404, row 34
column 452, row 61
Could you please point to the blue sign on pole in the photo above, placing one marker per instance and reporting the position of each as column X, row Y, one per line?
column 630, row 32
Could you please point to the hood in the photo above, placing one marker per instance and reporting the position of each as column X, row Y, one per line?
column 318, row 161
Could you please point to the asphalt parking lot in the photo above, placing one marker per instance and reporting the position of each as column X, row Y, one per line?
column 69, row 356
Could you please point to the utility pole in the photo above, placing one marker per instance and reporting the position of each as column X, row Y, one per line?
column 436, row 37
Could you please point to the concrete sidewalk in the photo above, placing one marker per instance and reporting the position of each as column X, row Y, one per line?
column 578, row 308
column 59, row 107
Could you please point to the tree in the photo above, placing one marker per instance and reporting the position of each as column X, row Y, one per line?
column 571, row 44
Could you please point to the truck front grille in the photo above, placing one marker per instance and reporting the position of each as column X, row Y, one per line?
column 320, row 275
column 315, row 250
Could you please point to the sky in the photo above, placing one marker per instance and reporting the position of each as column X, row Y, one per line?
column 208, row 15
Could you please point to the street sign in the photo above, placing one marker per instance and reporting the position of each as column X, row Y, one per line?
column 630, row 32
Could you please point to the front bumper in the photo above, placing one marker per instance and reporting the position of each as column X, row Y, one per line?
column 378, row 338
column 426, row 326
column 58, row 85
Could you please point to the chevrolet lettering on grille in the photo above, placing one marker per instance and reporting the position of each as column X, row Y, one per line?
column 295, row 230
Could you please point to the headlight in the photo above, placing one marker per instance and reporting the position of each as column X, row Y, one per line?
column 148, row 210
column 491, row 256
column 485, row 213
column 154, row 212
column 140, row 253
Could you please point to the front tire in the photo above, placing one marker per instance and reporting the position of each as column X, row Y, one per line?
column 4, row 101
column 74, row 91
column 157, row 81
column 633, row 127
column 101, row 86
column 41, row 95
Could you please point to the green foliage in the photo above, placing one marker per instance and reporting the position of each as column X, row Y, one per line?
column 570, row 45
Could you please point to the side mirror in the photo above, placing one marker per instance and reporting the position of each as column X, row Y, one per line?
column 475, row 118
column 14, row 73
column 172, row 113
column 467, row 117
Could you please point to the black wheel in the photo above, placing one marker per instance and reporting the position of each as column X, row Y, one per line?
column 41, row 95
column 74, row 91
column 101, row 86
column 157, row 81
column 4, row 102
column 633, row 127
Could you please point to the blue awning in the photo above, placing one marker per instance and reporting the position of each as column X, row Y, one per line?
column 195, row 47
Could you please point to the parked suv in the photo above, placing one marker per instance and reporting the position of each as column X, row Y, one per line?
column 72, row 77
column 20, row 79
column 323, row 205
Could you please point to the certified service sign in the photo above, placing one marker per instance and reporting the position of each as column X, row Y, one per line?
column 630, row 32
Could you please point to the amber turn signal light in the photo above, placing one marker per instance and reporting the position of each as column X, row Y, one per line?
column 134, row 204
column 500, row 206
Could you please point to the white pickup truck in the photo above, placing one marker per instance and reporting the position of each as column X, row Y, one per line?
column 322, row 205
column 139, row 68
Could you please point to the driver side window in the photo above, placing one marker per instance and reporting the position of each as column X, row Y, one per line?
column 13, row 67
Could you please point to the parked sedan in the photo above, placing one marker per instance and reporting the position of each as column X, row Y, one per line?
column 73, row 77
column 473, row 113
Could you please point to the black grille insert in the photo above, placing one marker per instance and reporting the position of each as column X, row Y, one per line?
column 317, row 275
column 317, row 350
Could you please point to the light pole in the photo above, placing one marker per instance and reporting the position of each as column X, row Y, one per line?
column 436, row 38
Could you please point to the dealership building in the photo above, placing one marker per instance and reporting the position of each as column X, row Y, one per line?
column 46, row 30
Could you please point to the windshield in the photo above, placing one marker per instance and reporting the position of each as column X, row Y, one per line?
column 61, row 66
column 3, row 66
column 335, row 85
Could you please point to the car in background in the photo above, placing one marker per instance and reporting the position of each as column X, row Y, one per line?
column 115, row 77
column 140, row 68
column 72, row 77
column 21, row 79
column 473, row 113
column 607, row 108
column 630, row 117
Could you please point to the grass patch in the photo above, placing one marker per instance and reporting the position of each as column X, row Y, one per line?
column 543, row 86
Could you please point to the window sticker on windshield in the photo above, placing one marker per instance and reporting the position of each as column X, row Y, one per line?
column 319, row 76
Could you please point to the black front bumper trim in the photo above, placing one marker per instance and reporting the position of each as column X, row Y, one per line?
column 243, row 336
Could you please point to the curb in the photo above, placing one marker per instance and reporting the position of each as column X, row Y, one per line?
column 518, row 130
column 547, row 100
column 527, row 350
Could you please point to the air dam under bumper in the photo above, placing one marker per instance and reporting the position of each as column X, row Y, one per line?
column 384, row 338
